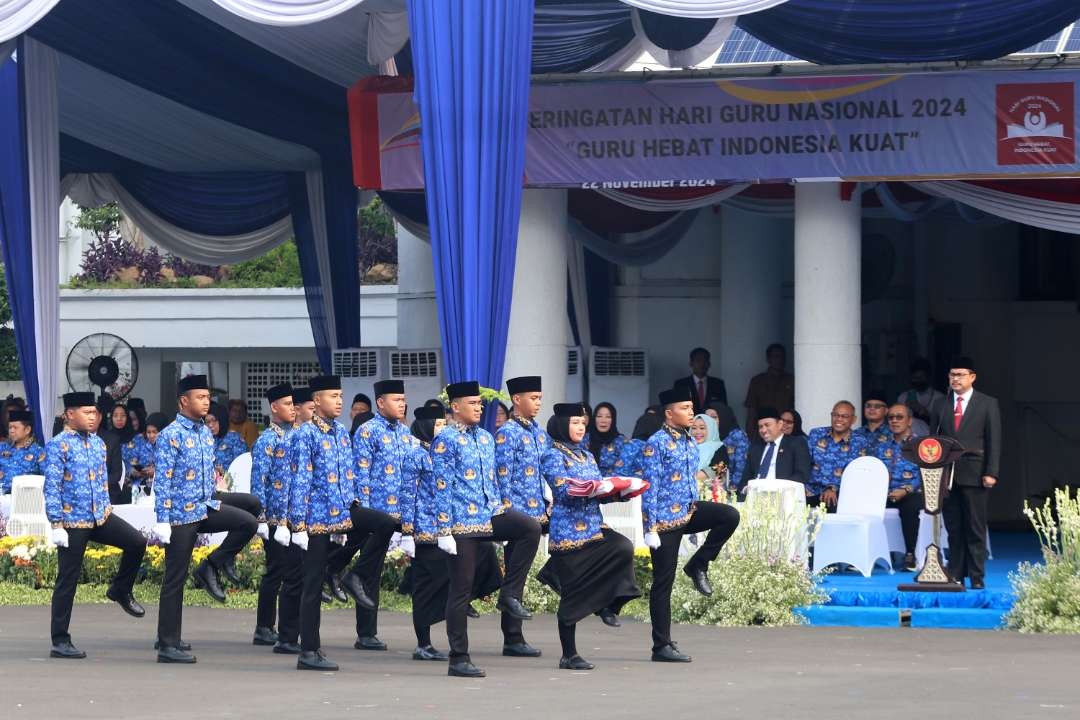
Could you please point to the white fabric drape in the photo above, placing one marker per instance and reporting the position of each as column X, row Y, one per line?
column 622, row 59
column 287, row 12
column 691, row 56
column 17, row 16
column 1062, row 217
column 43, row 163
column 652, row 204
column 387, row 33
column 317, row 205
column 99, row 188
column 704, row 8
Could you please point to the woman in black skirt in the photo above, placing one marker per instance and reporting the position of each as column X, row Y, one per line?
column 591, row 566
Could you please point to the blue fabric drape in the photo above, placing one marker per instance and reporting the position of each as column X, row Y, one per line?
column 571, row 36
column 842, row 31
column 15, row 226
column 472, row 87
column 309, row 266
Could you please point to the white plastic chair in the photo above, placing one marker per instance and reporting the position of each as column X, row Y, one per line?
column 625, row 519
column 856, row 533
column 28, row 507
column 240, row 472
column 894, row 530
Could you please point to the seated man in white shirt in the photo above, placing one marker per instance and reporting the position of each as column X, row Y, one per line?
column 776, row 455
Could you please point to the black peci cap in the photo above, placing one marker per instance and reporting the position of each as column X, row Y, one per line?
column 279, row 391
column 962, row 362
column 324, row 382
column 79, row 399
column 526, row 384
column 427, row 412
column 389, row 387
column 192, row 382
column 301, row 395
column 680, row 393
column 568, row 410
column 469, row 388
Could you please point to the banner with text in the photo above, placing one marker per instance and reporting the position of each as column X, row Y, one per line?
column 685, row 133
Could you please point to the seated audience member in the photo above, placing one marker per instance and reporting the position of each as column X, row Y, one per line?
column 712, row 469
column 116, row 433
column 605, row 441
column 359, row 420
column 920, row 397
column 585, row 441
column 502, row 414
column 874, row 428
column 736, row 442
column 905, row 482
column 237, row 421
column 361, row 403
column 774, row 388
column 228, row 445
column 704, row 388
column 139, row 454
column 774, row 455
column 20, row 454
column 10, row 403
column 791, row 423
column 632, row 458
column 831, row 449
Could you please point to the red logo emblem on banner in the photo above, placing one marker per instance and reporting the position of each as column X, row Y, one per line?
column 1035, row 124
column 929, row 451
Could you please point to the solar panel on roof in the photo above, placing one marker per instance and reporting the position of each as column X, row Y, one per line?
column 741, row 48
column 1073, row 43
column 1048, row 45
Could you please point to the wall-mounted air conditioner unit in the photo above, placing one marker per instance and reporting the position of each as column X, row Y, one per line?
column 621, row 377
column 359, row 369
column 575, row 375
column 422, row 372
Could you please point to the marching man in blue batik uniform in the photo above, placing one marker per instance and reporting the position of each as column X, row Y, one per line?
column 520, row 445
column 20, row 454
column 324, row 500
column 77, row 505
column 669, row 509
column 470, row 511
column 271, row 477
column 186, row 503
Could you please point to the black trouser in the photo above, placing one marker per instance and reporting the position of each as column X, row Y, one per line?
column 429, row 576
column 965, row 521
column 523, row 534
column 909, row 506
column 511, row 626
column 311, row 595
column 114, row 531
column 285, row 575
column 241, row 527
column 720, row 521
column 371, row 533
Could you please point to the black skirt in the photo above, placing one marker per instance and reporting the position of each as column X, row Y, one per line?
column 427, row 579
column 597, row 576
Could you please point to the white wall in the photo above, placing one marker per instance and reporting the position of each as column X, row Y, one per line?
column 418, row 320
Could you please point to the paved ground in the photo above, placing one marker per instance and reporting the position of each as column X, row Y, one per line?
column 792, row 673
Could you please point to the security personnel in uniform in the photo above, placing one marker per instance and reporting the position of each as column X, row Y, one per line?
column 520, row 445
column 77, row 505
column 20, row 454
column 271, row 476
column 186, row 504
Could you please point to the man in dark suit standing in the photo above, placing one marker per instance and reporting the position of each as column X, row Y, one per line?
column 776, row 456
column 704, row 388
column 974, row 420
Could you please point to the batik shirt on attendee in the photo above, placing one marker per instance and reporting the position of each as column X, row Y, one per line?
column 184, row 482
column 271, row 473
column 903, row 474
column 227, row 449
column 324, row 487
column 631, row 458
column 519, row 448
column 670, row 460
column 610, row 460
column 873, row 438
column 418, row 511
column 14, row 461
column 738, row 449
column 380, row 447
column 830, row 456
column 464, row 461
column 76, row 480
column 575, row 521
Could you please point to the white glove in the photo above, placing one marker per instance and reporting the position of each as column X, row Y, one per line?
column 282, row 535
column 299, row 539
column 408, row 545
column 652, row 540
column 338, row 538
column 395, row 539
column 635, row 485
column 263, row 531
column 59, row 537
column 163, row 532
column 447, row 544
column 603, row 488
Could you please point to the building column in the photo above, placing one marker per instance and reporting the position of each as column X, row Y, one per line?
column 418, row 319
column 539, row 328
column 828, row 300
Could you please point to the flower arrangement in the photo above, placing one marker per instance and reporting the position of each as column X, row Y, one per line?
column 488, row 395
column 1048, row 593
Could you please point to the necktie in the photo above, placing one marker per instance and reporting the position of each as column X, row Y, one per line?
column 766, row 462
column 958, row 413
column 701, row 392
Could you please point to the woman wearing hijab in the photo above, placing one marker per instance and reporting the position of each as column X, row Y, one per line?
column 736, row 443
column 645, row 427
column 429, row 573
column 605, row 442
column 591, row 566
column 710, row 475
column 228, row 444
column 116, row 432
column 139, row 454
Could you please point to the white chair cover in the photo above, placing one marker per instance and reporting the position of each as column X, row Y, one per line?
column 625, row 518
column 28, row 507
column 856, row 533
column 894, row 530
column 240, row 472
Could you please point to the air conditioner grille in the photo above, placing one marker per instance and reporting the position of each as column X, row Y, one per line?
column 356, row 363
column 573, row 360
column 414, row 364
column 261, row 376
column 619, row 363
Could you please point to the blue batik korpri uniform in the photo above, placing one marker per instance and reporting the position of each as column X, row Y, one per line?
column 27, row 459
column 631, row 459
column 464, row 460
column 520, row 445
column 272, row 472
column 670, row 461
column 380, row 447
column 830, row 456
column 76, row 480
column 738, row 448
column 873, row 438
column 575, row 521
column 903, row 474
column 610, row 457
column 184, row 472
column 420, row 516
column 324, row 487
column 228, row 448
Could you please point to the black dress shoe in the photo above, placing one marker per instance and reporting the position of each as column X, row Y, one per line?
column 67, row 651
column 575, row 663
column 229, row 571
column 909, row 562
column 609, row 618
column 309, row 660
column 978, row 585
column 205, row 578
column 174, row 655
column 521, row 649
column 326, row 598
column 700, row 579
column 287, row 648
column 185, row 646
column 264, row 636
column 369, row 643
column 127, row 602
column 354, row 587
column 333, row 586
column 513, row 607
column 671, row 654
column 428, row 652
column 465, row 669
column 472, row 612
